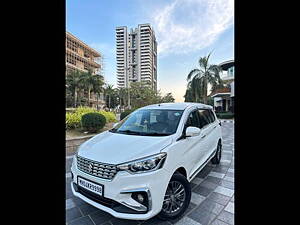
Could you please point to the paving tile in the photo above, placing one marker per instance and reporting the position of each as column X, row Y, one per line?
column 227, row 184
column 213, row 179
column 224, row 191
column 230, row 207
column 228, row 174
column 196, row 198
column 208, row 184
column 218, row 222
column 187, row 221
column 70, row 204
column 210, row 206
column 116, row 221
column 203, row 217
column 202, row 190
column 215, row 174
column 87, row 209
column 78, row 201
column 232, row 199
column 100, row 217
column 72, row 214
column 231, row 170
column 226, row 217
column 225, row 162
column 155, row 221
column 219, row 198
column 86, row 220
column 197, row 180
column 231, row 179
column 220, row 169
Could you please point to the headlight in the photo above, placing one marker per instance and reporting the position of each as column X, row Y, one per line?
column 150, row 163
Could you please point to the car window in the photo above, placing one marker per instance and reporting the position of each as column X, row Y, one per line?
column 212, row 116
column 204, row 117
column 150, row 122
column 193, row 120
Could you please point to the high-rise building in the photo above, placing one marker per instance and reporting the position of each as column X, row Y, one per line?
column 136, row 55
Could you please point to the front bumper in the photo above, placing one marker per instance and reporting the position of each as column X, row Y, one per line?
column 119, row 190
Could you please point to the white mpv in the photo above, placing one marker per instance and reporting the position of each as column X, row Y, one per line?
column 142, row 167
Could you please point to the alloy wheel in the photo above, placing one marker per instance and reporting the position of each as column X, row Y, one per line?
column 174, row 198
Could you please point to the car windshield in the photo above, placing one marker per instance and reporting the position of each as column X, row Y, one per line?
column 150, row 122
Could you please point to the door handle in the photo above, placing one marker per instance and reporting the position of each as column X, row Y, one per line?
column 203, row 136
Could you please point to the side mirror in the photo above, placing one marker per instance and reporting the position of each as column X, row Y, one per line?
column 114, row 125
column 192, row 131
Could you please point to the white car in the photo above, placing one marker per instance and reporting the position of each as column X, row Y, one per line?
column 142, row 167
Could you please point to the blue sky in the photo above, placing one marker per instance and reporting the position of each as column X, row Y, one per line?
column 185, row 30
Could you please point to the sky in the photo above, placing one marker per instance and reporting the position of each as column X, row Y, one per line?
column 185, row 30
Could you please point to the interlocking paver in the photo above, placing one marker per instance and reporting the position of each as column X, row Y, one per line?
column 230, row 207
column 196, row 198
column 86, row 220
column 224, row 191
column 219, row 198
column 226, row 217
column 212, row 200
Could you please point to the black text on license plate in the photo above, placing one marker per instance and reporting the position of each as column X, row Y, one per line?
column 91, row 186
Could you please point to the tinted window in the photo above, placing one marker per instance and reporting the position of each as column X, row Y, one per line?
column 193, row 120
column 212, row 116
column 204, row 117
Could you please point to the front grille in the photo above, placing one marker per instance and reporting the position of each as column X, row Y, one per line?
column 97, row 169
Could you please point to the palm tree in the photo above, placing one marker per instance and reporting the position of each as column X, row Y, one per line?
column 73, row 82
column 109, row 90
column 199, row 78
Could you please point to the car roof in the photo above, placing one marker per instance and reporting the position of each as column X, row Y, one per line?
column 177, row 106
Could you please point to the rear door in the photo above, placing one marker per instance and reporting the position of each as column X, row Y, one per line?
column 206, row 131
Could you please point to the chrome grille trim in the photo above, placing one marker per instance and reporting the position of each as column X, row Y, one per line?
column 97, row 169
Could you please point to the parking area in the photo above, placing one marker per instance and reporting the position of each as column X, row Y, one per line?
column 212, row 201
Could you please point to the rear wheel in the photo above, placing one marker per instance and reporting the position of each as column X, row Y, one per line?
column 177, row 197
column 217, row 158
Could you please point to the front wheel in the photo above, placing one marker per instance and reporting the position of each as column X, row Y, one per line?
column 177, row 198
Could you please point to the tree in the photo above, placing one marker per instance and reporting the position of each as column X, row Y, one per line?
column 109, row 91
column 73, row 83
column 167, row 98
column 199, row 78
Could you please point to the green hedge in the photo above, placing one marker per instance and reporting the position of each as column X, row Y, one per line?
column 73, row 119
column 225, row 115
column 93, row 122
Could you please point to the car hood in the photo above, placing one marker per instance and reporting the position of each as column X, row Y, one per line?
column 114, row 148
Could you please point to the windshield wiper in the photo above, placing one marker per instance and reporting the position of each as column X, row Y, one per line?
column 129, row 132
column 155, row 134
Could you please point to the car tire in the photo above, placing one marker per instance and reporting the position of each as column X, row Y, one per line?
column 176, row 179
column 217, row 158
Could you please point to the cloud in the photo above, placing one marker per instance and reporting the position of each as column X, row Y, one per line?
column 185, row 26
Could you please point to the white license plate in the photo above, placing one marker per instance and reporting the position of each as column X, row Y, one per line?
column 91, row 186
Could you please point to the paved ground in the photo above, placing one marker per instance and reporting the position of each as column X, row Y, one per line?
column 212, row 199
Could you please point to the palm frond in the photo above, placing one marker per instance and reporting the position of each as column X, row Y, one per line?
column 193, row 72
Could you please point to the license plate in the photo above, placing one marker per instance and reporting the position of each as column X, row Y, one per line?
column 91, row 186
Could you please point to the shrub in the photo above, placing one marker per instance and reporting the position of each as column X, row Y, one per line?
column 110, row 116
column 93, row 121
column 126, row 113
column 72, row 120
column 225, row 115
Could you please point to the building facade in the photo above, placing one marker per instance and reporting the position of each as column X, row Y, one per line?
column 80, row 56
column 224, row 97
column 136, row 56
